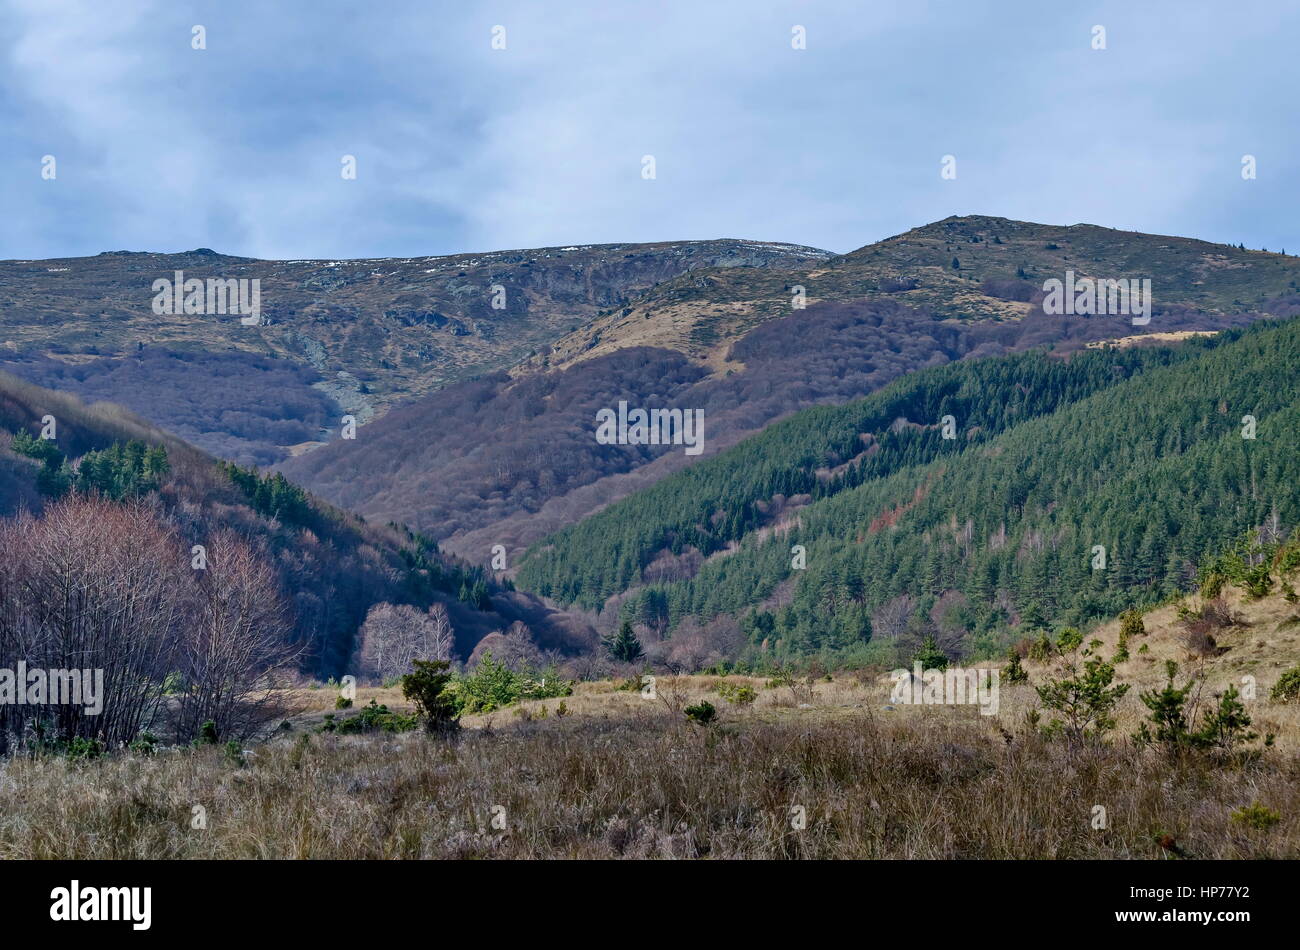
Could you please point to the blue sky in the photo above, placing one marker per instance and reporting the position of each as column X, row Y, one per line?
column 462, row 148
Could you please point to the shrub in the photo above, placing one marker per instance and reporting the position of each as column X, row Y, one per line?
column 1069, row 640
column 1198, row 626
column 741, row 694
column 930, row 656
column 1083, row 701
column 378, row 718
column 1040, row 650
column 1226, row 726
column 82, row 748
column 1130, row 625
column 1014, row 672
column 1287, row 687
column 1257, row 581
column 1168, row 713
column 493, row 685
column 1212, row 585
column 144, row 744
column 702, row 714
column 1222, row 728
column 427, row 688
column 1256, row 816
column 342, row 703
column 631, row 685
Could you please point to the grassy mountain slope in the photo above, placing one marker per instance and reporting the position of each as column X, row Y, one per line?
column 1002, row 266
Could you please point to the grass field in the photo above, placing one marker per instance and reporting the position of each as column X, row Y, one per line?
column 831, row 769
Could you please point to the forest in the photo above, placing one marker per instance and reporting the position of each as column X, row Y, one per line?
column 1075, row 489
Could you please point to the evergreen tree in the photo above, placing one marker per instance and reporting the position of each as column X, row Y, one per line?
column 624, row 646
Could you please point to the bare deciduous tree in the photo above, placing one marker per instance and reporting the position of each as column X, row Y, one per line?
column 889, row 621
column 234, row 651
column 92, row 586
column 394, row 636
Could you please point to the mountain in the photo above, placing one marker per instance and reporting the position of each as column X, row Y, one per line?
column 1071, row 491
column 727, row 341
column 331, row 565
column 1001, row 266
column 337, row 337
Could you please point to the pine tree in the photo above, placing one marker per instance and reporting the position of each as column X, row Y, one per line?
column 624, row 646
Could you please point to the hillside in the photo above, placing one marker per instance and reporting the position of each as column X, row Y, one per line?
column 331, row 565
column 427, row 464
column 721, row 340
column 338, row 336
column 908, row 534
column 1001, row 268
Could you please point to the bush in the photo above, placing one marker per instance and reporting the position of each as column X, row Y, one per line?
column 930, row 656
column 82, row 748
column 1069, row 640
column 1198, row 637
column 1287, row 688
column 1168, row 713
column 427, row 688
column 1257, row 581
column 1256, row 816
column 144, row 744
column 1222, row 729
column 702, row 714
column 1040, row 650
column 1130, row 625
column 342, row 703
column 741, row 694
column 493, row 686
column 1083, row 701
column 377, row 718
column 1014, row 672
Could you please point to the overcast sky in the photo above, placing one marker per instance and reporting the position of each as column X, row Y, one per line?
column 461, row 147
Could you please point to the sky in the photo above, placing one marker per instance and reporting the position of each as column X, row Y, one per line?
column 460, row 146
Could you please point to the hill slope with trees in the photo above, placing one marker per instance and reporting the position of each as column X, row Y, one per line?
column 1138, row 453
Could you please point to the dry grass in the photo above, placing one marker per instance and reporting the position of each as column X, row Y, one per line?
column 622, row 776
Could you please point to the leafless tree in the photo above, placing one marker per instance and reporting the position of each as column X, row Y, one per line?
column 890, row 619
column 91, row 586
column 394, row 636
column 235, row 650
column 515, row 649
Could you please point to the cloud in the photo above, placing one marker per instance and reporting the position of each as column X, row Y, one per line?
column 463, row 147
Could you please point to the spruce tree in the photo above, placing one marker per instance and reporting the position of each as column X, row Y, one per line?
column 624, row 646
